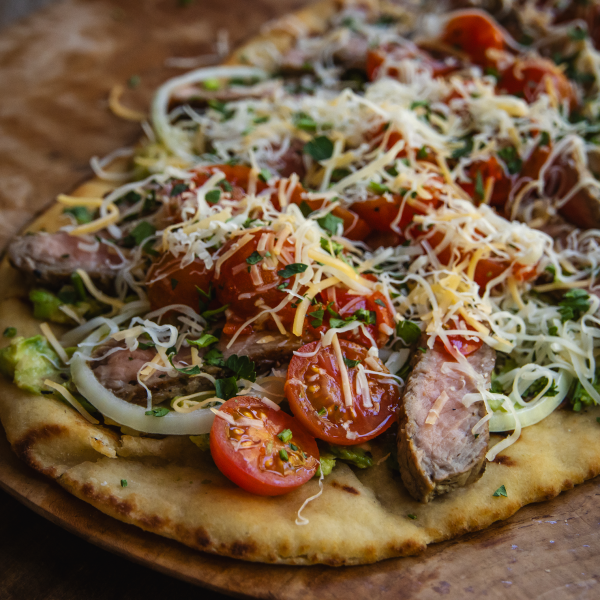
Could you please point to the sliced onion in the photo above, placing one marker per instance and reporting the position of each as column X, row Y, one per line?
column 131, row 415
column 160, row 104
column 530, row 415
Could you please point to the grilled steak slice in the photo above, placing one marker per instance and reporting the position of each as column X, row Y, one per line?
column 50, row 258
column 267, row 349
column 118, row 373
column 436, row 458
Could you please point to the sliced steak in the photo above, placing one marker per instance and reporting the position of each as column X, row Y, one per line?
column 50, row 258
column 118, row 373
column 436, row 458
column 266, row 348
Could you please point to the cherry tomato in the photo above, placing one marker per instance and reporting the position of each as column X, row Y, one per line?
column 377, row 56
column 250, row 288
column 355, row 228
column 488, row 169
column 530, row 77
column 347, row 304
column 380, row 212
column 253, row 456
column 314, row 391
column 463, row 343
column 474, row 32
column 169, row 283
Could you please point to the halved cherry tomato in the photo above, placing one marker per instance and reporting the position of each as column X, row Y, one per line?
column 238, row 176
column 355, row 228
column 488, row 169
column 465, row 344
column 397, row 53
column 530, row 77
column 474, row 33
column 169, row 283
column 314, row 391
column 370, row 308
column 250, row 288
column 253, row 456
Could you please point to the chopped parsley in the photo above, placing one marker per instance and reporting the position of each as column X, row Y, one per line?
column 159, row 411
column 331, row 223
column 214, row 358
column 333, row 248
column 408, row 331
column 501, row 491
column 511, row 159
column 479, row 187
column 123, row 483
column 573, row 305
column 226, row 388
column 283, row 455
column 254, row 258
column 213, row 196
column 204, row 340
column 174, row 283
column 10, row 332
column 320, row 148
column 179, row 188
column 378, row 188
column 264, row 175
column 285, row 436
column 138, row 234
column 317, row 316
column 81, row 214
column 351, row 363
column 292, row 269
column 412, row 516
column 322, row 411
column 242, row 366
column 304, row 122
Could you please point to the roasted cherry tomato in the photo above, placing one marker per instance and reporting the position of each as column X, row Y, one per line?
column 474, row 33
column 354, row 227
column 372, row 310
column 169, row 283
column 314, row 389
column 396, row 53
column 530, row 77
column 465, row 344
column 490, row 169
column 249, row 280
column 264, row 451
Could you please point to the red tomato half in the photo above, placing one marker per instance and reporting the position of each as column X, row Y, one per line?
column 177, row 285
column 242, row 284
column 253, row 457
column 490, row 169
column 530, row 77
column 397, row 53
column 314, row 391
column 473, row 32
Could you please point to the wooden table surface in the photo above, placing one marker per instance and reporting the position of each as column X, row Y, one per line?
column 56, row 69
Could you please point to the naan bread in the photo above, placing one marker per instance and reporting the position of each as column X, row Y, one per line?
column 175, row 490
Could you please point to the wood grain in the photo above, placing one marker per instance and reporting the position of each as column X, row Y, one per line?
column 56, row 69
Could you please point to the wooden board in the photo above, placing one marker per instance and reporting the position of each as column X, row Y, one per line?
column 56, row 69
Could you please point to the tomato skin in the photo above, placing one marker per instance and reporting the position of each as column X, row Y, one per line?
column 165, row 291
column 462, row 343
column 530, row 77
column 355, row 228
column 473, row 32
column 307, row 376
column 489, row 169
column 229, row 284
column 376, row 57
column 247, row 468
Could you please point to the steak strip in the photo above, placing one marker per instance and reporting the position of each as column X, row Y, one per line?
column 51, row 258
column 437, row 458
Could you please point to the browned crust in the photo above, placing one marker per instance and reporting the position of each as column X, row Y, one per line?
column 34, row 434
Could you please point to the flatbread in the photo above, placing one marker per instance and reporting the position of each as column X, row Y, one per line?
column 175, row 490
